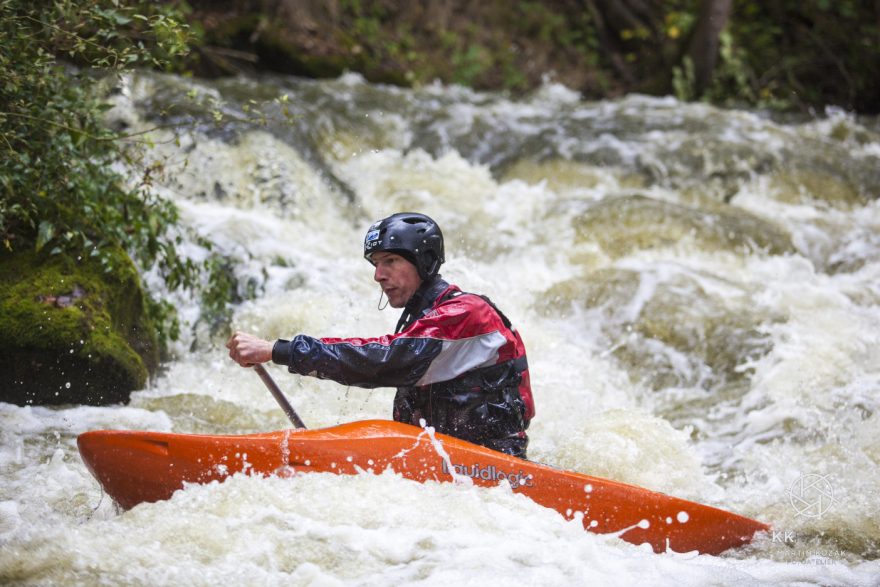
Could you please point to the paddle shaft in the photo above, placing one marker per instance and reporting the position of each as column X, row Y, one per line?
column 279, row 396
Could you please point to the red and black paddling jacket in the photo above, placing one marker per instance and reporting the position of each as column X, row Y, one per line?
column 456, row 360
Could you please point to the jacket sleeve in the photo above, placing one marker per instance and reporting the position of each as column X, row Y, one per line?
column 388, row 361
column 455, row 337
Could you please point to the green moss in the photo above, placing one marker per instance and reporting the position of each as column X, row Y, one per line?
column 73, row 332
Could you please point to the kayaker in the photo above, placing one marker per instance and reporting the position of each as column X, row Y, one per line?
column 456, row 360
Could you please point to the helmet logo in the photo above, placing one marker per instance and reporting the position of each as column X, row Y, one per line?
column 372, row 239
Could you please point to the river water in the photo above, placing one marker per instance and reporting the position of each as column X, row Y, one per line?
column 698, row 290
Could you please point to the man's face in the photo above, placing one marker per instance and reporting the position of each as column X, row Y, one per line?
column 398, row 277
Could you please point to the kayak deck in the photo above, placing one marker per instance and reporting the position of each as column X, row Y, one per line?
column 135, row 467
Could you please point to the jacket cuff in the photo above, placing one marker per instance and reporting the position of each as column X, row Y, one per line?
column 281, row 352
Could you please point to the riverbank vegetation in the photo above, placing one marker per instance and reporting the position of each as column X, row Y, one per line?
column 788, row 55
column 76, row 204
column 61, row 189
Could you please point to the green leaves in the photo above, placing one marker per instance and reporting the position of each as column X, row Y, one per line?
column 45, row 233
column 59, row 192
column 114, row 16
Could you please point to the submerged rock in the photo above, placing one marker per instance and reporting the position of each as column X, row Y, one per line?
column 72, row 332
column 668, row 327
column 626, row 224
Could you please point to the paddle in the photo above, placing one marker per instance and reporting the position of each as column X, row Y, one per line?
column 279, row 396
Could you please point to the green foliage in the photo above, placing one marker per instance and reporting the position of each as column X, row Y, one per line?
column 539, row 21
column 790, row 54
column 61, row 187
column 796, row 54
column 683, row 82
column 469, row 64
column 219, row 293
column 733, row 82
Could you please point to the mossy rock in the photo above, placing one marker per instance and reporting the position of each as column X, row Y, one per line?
column 73, row 332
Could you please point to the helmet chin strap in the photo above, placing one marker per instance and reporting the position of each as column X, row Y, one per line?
column 387, row 301
column 417, row 302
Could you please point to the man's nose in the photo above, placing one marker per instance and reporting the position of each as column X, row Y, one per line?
column 379, row 275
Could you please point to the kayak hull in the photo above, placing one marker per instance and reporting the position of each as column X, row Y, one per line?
column 136, row 467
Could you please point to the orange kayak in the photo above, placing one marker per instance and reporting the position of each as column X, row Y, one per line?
column 135, row 467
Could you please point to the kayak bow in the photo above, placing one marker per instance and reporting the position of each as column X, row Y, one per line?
column 135, row 467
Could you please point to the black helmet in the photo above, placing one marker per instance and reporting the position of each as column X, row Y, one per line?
column 413, row 236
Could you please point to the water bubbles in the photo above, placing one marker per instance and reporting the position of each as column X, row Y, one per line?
column 10, row 519
column 682, row 517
